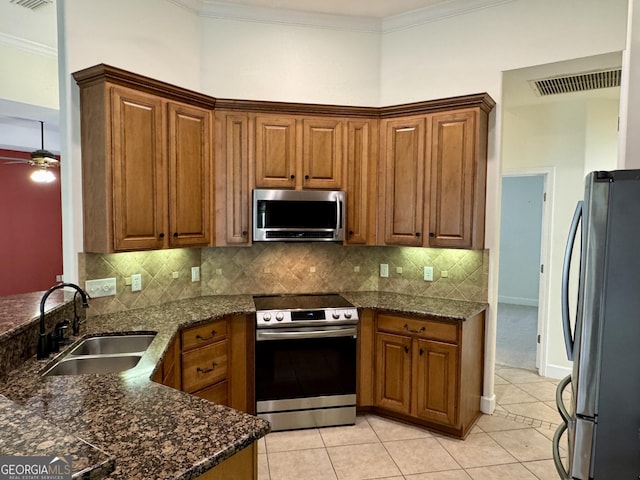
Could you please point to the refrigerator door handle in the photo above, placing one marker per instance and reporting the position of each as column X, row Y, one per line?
column 559, row 401
column 564, row 475
column 566, row 269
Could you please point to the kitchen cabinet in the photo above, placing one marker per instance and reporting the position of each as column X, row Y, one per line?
column 403, row 201
column 243, row 465
column 361, row 181
column 216, row 361
column 146, row 162
column 298, row 152
column 429, row 371
column 434, row 179
column 458, row 179
column 233, row 179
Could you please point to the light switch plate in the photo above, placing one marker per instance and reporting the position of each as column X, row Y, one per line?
column 101, row 287
column 428, row 274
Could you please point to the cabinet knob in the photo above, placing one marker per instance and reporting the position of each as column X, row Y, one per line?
column 417, row 234
column 431, row 234
column 244, row 233
column 161, row 235
column 292, row 177
column 421, row 351
column 406, row 349
column 350, row 232
column 175, row 234
column 306, row 177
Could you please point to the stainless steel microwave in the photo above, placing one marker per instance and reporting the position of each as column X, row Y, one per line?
column 298, row 215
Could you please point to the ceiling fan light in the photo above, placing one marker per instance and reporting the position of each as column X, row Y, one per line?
column 42, row 175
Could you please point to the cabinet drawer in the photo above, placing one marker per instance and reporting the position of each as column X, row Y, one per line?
column 216, row 393
column 204, row 366
column 443, row 331
column 204, row 334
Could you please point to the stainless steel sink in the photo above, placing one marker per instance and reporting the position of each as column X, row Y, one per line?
column 113, row 344
column 93, row 364
column 105, row 354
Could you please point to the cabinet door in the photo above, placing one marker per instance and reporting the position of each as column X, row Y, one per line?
column 435, row 381
column 393, row 372
column 139, row 180
column 275, row 152
column 360, row 174
column 453, row 179
column 403, row 153
column 189, row 175
column 322, row 153
column 238, row 191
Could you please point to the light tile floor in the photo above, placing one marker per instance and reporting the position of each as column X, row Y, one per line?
column 512, row 444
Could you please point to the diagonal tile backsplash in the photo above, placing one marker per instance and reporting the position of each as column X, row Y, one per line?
column 274, row 268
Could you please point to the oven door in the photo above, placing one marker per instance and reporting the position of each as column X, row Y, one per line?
column 306, row 376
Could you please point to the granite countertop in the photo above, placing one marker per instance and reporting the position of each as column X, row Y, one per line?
column 150, row 430
column 17, row 311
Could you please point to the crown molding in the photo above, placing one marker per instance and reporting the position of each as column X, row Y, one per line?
column 28, row 45
column 281, row 16
column 435, row 13
column 232, row 11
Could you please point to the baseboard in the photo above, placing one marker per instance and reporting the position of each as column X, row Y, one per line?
column 488, row 404
column 555, row 371
column 527, row 302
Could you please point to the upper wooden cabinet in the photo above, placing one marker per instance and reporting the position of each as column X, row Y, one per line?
column 434, row 178
column 146, row 163
column 295, row 152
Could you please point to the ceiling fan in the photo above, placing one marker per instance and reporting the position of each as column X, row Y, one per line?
column 39, row 158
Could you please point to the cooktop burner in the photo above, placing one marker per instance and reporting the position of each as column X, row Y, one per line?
column 300, row 302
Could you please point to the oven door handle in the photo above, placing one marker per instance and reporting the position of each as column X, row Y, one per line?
column 262, row 335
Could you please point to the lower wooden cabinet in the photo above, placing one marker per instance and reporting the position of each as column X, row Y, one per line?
column 242, row 466
column 212, row 361
column 426, row 371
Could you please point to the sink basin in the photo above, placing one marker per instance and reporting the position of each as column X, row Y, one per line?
column 93, row 364
column 113, row 344
column 105, row 354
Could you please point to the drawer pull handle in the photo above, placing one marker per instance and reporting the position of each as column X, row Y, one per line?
column 406, row 327
column 207, row 370
column 202, row 339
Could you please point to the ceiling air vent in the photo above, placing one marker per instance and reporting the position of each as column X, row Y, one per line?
column 32, row 4
column 578, row 82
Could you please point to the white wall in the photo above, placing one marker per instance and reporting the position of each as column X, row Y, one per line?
column 260, row 61
column 564, row 135
column 159, row 39
column 520, row 236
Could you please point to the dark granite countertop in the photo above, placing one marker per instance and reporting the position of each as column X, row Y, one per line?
column 151, row 431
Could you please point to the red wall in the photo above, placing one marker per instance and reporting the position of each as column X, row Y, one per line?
column 31, row 228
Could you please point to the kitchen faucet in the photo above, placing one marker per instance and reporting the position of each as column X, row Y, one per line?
column 44, row 346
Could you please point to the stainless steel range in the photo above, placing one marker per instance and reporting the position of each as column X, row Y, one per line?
column 305, row 360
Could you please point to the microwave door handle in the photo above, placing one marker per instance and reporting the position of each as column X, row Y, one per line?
column 339, row 212
column 566, row 270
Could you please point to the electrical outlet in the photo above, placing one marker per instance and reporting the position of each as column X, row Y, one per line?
column 136, row 282
column 102, row 287
column 195, row 274
column 384, row 270
column 428, row 274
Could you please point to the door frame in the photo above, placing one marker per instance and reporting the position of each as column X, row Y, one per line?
column 548, row 176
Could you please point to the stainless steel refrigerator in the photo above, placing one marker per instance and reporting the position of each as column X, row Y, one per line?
column 602, row 422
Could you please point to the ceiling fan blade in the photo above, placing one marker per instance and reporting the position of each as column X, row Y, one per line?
column 9, row 160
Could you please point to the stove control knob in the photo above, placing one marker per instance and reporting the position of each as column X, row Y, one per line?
column 266, row 317
column 336, row 315
column 279, row 316
column 347, row 314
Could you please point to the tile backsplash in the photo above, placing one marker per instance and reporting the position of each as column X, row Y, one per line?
column 273, row 268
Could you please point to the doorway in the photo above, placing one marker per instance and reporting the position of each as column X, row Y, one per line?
column 519, row 285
